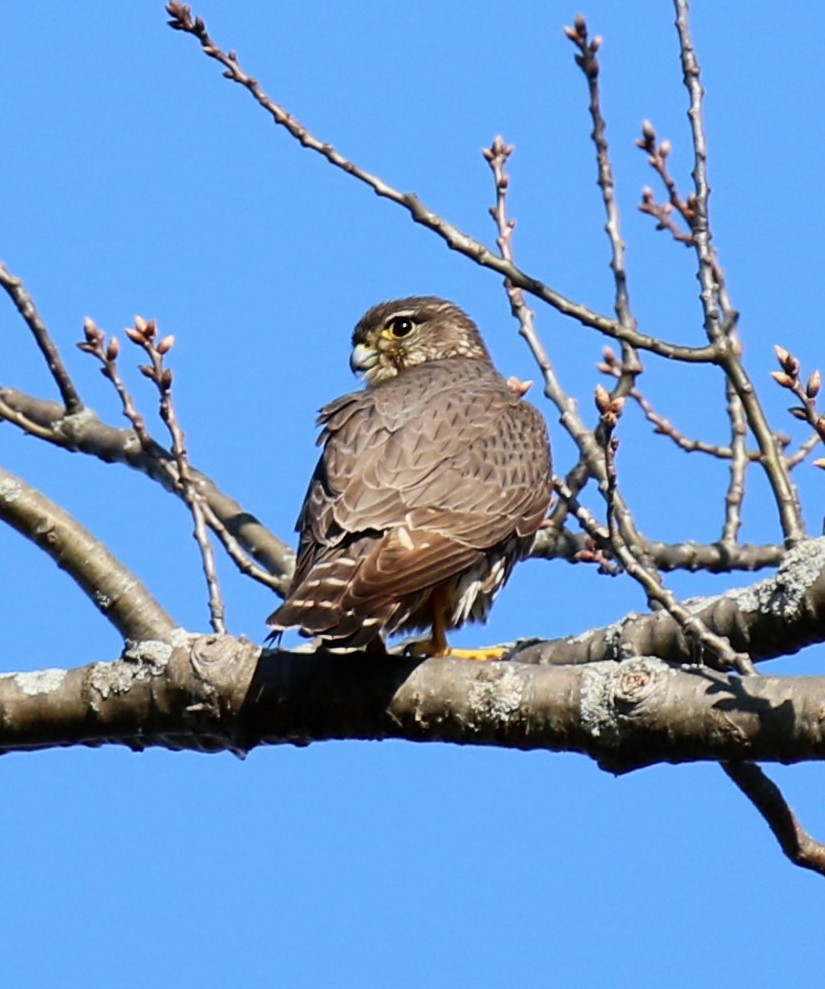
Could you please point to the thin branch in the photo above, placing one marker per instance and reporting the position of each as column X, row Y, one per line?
column 95, row 344
column 663, row 214
column 738, row 466
column 144, row 335
column 699, row 222
column 591, row 461
column 496, row 156
column 771, row 457
column 113, row 589
column 562, row 544
column 588, row 61
column 657, row 156
column 656, row 592
column 766, row 797
column 181, row 20
column 789, row 377
column 612, row 365
column 184, row 479
column 664, row 427
column 806, row 448
column 233, row 547
column 720, row 317
column 84, row 432
column 25, row 306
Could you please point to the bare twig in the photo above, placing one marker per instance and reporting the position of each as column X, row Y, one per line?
column 144, row 335
column 662, row 213
column 789, row 377
column 720, row 317
column 766, row 797
column 771, row 457
column 805, row 449
column 86, row 433
column 178, row 470
column 698, row 217
column 588, row 61
column 25, row 306
column 182, row 20
column 115, row 591
column 657, row 155
column 591, row 462
column 610, row 411
column 496, row 156
column 613, row 365
column 738, row 466
column 184, row 480
column 94, row 343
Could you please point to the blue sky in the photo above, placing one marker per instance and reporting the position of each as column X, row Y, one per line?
column 136, row 180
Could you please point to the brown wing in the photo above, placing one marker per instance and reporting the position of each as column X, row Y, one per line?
column 419, row 476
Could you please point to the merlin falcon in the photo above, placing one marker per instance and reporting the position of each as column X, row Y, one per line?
column 431, row 485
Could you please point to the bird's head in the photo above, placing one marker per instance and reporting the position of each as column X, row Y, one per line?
column 396, row 335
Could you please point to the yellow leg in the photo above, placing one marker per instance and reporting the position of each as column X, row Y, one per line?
column 438, row 640
column 437, row 644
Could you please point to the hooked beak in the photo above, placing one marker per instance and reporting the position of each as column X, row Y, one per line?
column 363, row 358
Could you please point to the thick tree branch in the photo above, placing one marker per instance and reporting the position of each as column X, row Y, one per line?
column 775, row 617
column 215, row 692
column 115, row 591
column 86, row 433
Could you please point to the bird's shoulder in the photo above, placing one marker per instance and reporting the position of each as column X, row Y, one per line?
column 423, row 391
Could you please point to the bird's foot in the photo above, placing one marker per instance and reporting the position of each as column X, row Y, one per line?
column 481, row 654
column 427, row 649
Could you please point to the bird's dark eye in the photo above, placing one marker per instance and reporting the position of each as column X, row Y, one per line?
column 401, row 326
